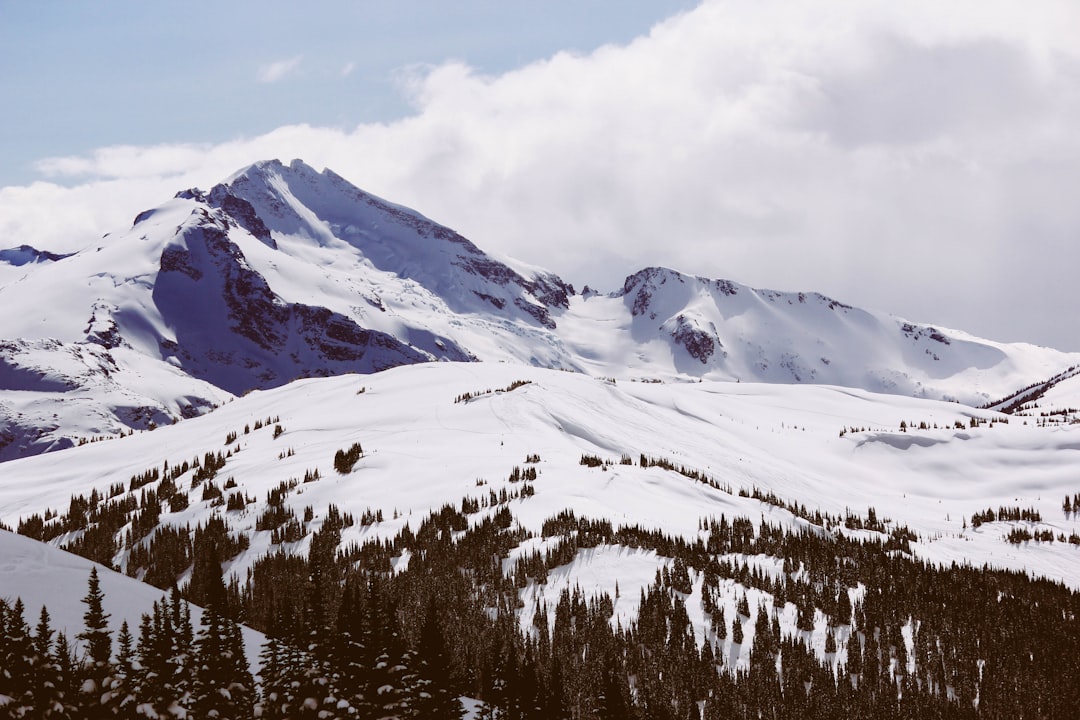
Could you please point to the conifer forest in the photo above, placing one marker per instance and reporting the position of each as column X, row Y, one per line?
column 351, row 634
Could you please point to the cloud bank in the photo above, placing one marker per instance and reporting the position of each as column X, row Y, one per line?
column 921, row 160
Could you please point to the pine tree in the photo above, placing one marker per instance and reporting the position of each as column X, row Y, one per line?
column 843, row 607
column 376, row 680
column 744, row 606
column 434, row 689
column 96, row 669
column 762, row 651
column 96, row 636
column 47, row 685
column 180, row 641
column 346, row 651
column 66, row 672
column 122, row 700
column 278, row 699
column 830, row 641
column 149, row 677
column 164, row 665
column 16, row 661
column 222, row 686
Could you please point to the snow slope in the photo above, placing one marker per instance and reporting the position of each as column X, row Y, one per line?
column 718, row 329
column 283, row 272
column 44, row 576
column 423, row 449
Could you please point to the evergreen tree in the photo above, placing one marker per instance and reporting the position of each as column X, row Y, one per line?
column 96, row 670
column 180, row 641
column 736, row 630
column 222, row 686
column 279, row 661
column 96, row 635
column 47, row 686
column 122, row 698
column 843, row 607
column 380, row 659
column 64, row 659
column 348, row 652
column 434, row 688
column 16, row 661
column 149, row 676
column 163, row 686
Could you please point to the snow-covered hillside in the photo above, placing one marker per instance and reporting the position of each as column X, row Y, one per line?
column 283, row 272
column 391, row 442
column 671, row 323
column 834, row 450
column 43, row 576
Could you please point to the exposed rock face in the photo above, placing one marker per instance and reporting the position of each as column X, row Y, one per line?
column 240, row 335
column 699, row 343
column 25, row 255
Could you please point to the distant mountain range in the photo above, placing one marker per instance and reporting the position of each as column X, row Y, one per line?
column 283, row 272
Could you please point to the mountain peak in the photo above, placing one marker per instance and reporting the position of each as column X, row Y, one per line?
column 27, row 254
column 273, row 166
column 282, row 271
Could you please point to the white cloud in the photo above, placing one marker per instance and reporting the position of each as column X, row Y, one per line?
column 347, row 69
column 921, row 161
column 272, row 72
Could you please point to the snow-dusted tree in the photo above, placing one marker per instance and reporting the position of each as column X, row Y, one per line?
column 223, row 686
column 433, row 690
column 278, row 661
column 163, row 676
column 47, row 686
column 96, row 670
column 67, row 672
column 16, row 661
column 120, row 697
column 96, row 635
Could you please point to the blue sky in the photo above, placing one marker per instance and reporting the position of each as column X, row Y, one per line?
column 77, row 76
column 919, row 158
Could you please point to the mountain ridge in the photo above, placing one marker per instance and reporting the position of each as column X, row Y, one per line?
column 605, row 488
column 282, row 272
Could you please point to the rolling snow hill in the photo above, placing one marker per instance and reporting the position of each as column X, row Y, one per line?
column 671, row 457
column 42, row 575
column 834, row 450
column 283, row 272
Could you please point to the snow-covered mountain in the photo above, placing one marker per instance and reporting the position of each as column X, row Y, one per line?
column 680, row 325
column 825, row 479
column 283, row 272
column 435, row 434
